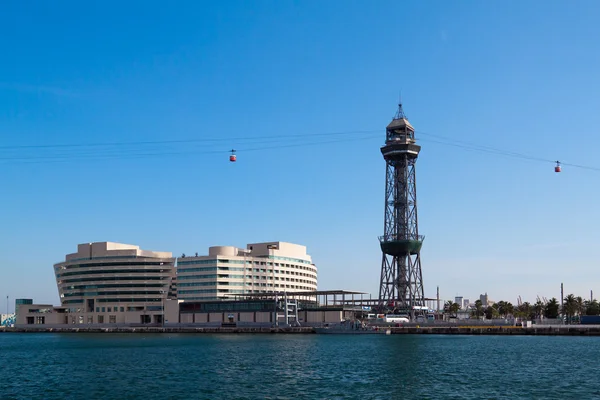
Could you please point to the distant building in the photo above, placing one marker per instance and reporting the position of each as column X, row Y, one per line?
column 466, row 303
column 484, row 299
column 459, row 300
column 228, row 271
column 107, row 282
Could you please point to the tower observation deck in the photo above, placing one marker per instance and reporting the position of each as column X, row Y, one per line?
column 401, row 285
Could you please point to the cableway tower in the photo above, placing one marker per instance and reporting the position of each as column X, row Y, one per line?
column 401, row 285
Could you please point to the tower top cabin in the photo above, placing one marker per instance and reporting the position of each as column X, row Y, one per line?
column 400, row 137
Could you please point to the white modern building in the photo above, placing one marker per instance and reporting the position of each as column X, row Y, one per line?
column 227, row 271
column 107, row 282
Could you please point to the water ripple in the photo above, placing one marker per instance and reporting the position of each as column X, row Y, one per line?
column 188, row 366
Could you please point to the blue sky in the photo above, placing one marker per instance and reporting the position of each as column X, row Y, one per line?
column 264, row 75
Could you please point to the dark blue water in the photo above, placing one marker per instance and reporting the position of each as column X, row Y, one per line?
column 187, row 366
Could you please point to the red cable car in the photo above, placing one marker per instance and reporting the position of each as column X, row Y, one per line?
column 557, row 167
column 232, row 157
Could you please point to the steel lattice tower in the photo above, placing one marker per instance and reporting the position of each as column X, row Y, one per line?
column 401, row 287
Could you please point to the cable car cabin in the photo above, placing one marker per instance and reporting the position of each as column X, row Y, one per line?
column 232, row 158
column 557, row 167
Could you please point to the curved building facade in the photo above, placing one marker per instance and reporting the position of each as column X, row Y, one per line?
column 228, row 271
column 107, row 282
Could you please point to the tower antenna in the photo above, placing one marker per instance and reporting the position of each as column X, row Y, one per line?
column 400, row 113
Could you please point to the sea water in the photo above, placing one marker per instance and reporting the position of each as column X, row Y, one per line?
column 279, row 366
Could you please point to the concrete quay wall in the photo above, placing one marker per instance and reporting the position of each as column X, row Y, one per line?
column 209, row 329
column 541, row 330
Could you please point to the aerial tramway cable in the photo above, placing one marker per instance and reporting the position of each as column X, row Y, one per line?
column 142, row 149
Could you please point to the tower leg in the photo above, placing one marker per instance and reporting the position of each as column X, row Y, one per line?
column 415, row 285
column 387, row 288
column 401, row 287
column 403, row 284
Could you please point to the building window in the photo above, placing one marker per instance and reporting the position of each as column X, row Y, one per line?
column 90, row 320
column 109, row 309
column 103, row 309
column 112, row 319
column 100, row 319
column 122, row 309
column 97, row 309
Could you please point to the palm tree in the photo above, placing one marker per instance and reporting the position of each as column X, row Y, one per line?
column 478, row 308
column 526, row 309
column 505, row 308
column 569, row 307
column 580, row 306
column 454, row 309
column 592, row 307
column 538, row 308
column 551, row 308
column 501, row 307
column 523, row 311
column 509, row 309
column 451, row 308
column 489, row 312
column 448, row 308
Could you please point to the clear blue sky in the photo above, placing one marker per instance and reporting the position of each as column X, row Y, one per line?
column 519, row 76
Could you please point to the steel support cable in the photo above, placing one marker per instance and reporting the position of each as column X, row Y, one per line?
column 489, row 151
column 116, row 150
column 120, row 151
column 483, row 148
column 64, row 158
column 492, row 150
column 181, row 141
